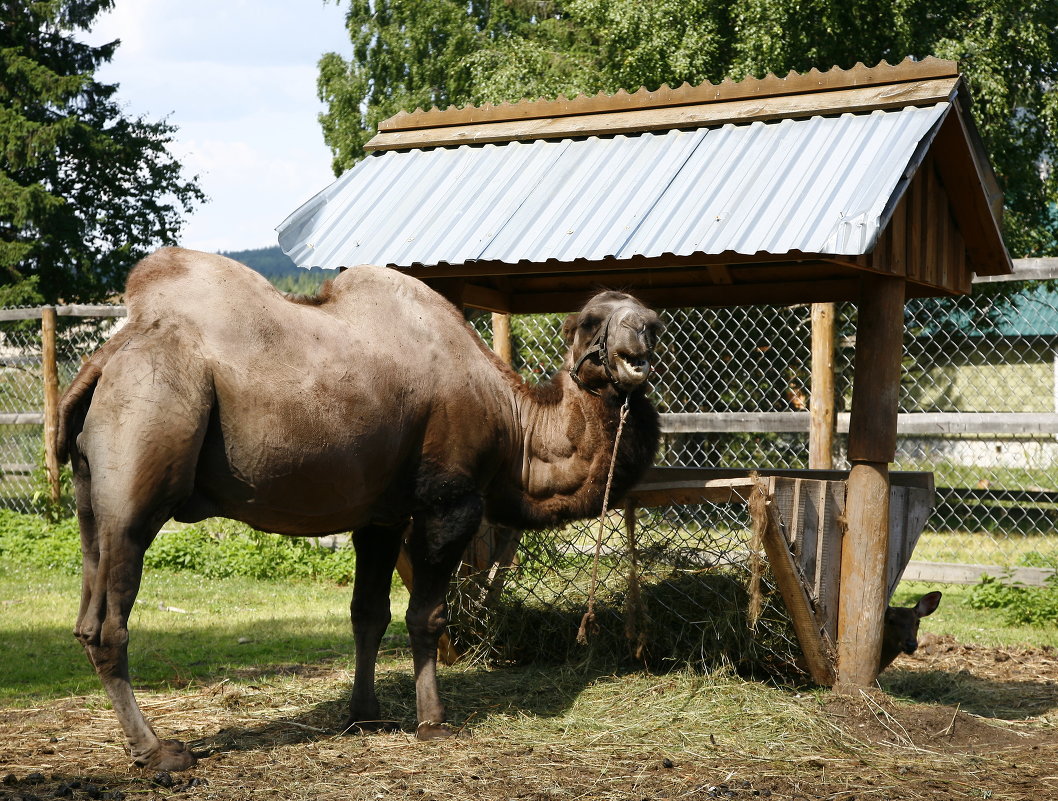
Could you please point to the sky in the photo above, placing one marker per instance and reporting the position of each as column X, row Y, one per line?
column 238, row 80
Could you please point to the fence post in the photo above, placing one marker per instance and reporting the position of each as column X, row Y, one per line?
column 50, row 370
column 501, row 337
column 821, row 407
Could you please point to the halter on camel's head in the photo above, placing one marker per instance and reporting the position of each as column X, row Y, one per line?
column 612, row 342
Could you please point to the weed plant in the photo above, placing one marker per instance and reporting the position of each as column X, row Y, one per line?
column 1035, row 606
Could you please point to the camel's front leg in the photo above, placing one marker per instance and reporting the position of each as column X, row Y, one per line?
column 109, row 586
column 439, row 536
column 377, row 548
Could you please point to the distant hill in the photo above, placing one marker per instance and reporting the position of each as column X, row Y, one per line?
column 273, row 262
column 277, row 267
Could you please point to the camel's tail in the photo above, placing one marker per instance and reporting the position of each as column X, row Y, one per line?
column 75, row 402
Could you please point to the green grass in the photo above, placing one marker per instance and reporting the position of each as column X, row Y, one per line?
column 974, row 548
column 956, row 618
column 233, row 628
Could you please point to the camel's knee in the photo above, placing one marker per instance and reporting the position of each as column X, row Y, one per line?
column 366, row 616
column 426, row 622
column 107, row 647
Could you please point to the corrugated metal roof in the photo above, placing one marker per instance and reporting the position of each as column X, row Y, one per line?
column 817, row 185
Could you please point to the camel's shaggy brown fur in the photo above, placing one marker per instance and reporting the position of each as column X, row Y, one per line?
column 371, row 407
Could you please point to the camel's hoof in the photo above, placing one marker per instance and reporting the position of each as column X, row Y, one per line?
column 171, row 755
column 438, row 731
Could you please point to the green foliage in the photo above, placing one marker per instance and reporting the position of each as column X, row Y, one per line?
column 1037, row 606
column 423, row 53
column 84, row 190
column 227, row 549
column 32, row 542
column 219, row 549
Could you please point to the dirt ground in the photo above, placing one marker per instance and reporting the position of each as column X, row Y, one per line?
column 997, row 738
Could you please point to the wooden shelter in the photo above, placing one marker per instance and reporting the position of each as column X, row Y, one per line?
column 868, row 184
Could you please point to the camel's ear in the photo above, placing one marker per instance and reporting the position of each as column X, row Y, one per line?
column 569, row 328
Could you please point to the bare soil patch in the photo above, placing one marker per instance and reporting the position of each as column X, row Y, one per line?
column 994, row 735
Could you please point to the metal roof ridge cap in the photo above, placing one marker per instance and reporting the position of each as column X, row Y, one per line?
column 834, row 79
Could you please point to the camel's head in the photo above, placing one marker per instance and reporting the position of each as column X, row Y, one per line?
column 612, row 341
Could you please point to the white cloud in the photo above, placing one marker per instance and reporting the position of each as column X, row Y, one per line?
column 238, row 80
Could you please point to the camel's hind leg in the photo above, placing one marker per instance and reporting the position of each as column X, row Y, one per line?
column 113, row 551
column 134, row 459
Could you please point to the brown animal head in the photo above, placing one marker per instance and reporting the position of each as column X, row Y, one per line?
column 900, row 631
column 612, row 341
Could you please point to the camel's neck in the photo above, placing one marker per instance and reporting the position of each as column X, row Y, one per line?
column 567, row 440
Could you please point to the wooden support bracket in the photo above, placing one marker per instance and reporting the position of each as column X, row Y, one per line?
column 818, row 652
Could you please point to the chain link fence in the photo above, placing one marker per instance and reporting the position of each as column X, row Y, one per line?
column 980, row 372
column 23, row 479
column 978, row 404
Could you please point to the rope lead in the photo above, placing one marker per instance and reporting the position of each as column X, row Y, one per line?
column 588, row 621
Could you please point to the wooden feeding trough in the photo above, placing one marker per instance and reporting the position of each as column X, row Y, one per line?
column 799, row 517
column 868, row 185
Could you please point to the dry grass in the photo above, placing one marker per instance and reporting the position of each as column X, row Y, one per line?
column 547, row 733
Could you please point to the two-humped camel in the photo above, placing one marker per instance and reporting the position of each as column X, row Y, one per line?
column 369, row 405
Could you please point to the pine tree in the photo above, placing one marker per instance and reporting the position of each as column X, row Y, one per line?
column 84, row 190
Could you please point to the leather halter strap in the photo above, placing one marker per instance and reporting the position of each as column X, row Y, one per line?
column 597, row 346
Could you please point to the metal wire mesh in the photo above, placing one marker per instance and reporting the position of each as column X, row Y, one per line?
column 997, row 500
column 674, row 590
column 23, row 484
column 997, row 493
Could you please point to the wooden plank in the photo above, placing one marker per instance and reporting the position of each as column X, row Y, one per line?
column 821, row 408
column 668, row 493
column 1028, row 424
column 906, row 522
column 934, row 226
column 738, row 111
column 10, row 315
column 818, row 655
column 720, row 274
column 22, row 419
column 91, row 310
column 963, row 178
column 1025, row 270
column 50, row 376
column 828, row 556
column 950, row 573
column 896, row 234
column 947, row 277
column 915, row 225
column 759, row 88
column 665, row 475
column 681, row 297
column 482, row 297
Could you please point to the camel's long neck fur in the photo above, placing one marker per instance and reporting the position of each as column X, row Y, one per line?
column 567, row 439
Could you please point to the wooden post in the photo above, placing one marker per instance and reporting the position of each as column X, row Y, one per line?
column 501, row 336
column 821, row 408
column 50, row 371
column 872, row 446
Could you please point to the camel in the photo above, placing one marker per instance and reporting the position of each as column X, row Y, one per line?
column 371, row 407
